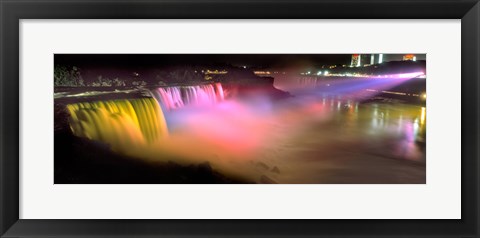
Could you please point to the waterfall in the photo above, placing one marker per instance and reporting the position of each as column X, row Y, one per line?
column 123, row 123
column 171, row 98
column 120, row 123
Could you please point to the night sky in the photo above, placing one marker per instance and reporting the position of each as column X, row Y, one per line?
column 165, row 60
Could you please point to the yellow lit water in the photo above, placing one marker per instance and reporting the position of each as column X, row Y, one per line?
column 122, row 124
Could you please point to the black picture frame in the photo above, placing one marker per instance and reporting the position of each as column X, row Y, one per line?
column 12, row 11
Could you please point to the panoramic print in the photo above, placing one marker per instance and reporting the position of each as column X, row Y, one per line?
column 240, row 118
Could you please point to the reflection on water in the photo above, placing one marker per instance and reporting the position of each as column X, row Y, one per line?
column 298, row 140
column 358, row 143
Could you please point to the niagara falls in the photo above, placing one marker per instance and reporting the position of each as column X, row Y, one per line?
column 240, row 119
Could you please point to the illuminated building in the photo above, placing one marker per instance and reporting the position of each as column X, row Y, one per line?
column 409, row 57
column 359, row 60
column 380, row 58
column 372, row 58
column 356, row 60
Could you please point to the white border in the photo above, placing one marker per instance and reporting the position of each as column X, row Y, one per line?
column 438, row 199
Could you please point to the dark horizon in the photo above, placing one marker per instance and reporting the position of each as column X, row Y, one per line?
column 167, row 60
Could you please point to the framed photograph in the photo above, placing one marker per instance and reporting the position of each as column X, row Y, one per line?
column 239, row 118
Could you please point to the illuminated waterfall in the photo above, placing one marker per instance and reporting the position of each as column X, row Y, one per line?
column 308, row 82
column 124, row 123
column 120, row 123
column 176, row 97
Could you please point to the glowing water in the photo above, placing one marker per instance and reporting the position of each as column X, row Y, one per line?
column 236, row 136
column 176, row 97
column 351, row 86
column 137, row 124
column 119, row 123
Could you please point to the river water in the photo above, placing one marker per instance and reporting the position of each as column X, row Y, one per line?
column 305, row 139
column 308, row 140
column 350, row 142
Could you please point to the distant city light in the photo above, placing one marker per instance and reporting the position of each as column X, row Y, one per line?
column 409, row 57
column 319, row 73
column 262, row 73
column 216, row 71
column 360, row 75
column 380, row 58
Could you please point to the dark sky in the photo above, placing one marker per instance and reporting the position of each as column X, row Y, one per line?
column 158, row 60
column 165, row 60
